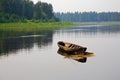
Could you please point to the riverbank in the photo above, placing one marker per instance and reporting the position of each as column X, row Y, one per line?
column 36, row 28
column 30, row 28
column 32, row 25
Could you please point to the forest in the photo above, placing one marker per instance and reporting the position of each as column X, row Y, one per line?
column 88, row 16
column 22, row 10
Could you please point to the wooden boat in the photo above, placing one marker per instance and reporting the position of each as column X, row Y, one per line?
column 69, row 47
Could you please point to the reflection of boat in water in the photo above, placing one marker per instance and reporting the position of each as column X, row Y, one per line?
column 69, row 47
column 78, row 56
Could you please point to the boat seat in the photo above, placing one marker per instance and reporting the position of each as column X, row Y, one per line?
column 70, row 45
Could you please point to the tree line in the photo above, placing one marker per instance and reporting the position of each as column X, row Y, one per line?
column 88, row 16
column 21, row 10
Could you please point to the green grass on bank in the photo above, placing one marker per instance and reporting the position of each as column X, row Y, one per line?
column 30, row 28
column 34, row 26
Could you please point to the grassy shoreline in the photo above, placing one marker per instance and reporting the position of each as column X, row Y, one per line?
column 33, row 25
column 30, row 28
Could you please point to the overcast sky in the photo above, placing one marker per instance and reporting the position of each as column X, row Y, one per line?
column 83, row 5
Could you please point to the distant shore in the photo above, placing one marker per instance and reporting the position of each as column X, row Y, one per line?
column 108, row 23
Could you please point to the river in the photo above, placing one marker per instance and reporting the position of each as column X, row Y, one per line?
column 36, row 57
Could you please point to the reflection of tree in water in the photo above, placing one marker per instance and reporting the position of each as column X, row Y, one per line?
column 102, row 28
column 93, row 29
column 12, row 45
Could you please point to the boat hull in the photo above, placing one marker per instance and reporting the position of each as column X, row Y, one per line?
column 70, row 47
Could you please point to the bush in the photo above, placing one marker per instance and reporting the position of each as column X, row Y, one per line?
column 7, row 18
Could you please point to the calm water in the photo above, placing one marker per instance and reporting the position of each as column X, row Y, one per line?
column 36, row 57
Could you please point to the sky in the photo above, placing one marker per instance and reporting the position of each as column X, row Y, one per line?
column 83, row 5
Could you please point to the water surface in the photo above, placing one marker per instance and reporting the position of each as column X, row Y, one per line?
column 36, row 57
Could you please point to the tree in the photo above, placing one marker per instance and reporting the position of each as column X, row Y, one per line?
column 28, row 10
column 25, row 9
column 88, row 16
column 47, row 10
column 38, row 10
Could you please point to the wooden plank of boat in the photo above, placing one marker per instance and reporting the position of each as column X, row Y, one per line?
column 71, row 47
